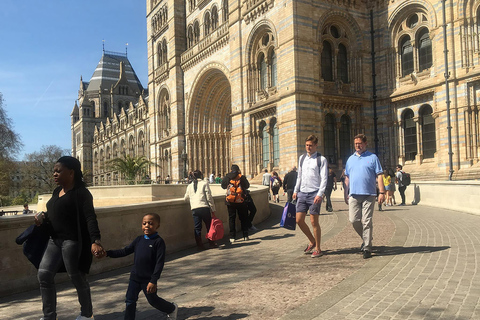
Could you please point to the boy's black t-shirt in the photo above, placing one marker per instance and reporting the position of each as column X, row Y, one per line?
column 149, row 257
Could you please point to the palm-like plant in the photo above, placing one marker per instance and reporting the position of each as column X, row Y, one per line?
column 130, row 167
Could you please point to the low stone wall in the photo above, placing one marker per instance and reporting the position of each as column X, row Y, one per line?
column 453, row 195
column 119, row 225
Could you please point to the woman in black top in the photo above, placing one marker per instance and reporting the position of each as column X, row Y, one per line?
column 74, row 237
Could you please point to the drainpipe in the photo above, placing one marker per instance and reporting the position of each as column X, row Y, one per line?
column 374, row 85
column 447, row 92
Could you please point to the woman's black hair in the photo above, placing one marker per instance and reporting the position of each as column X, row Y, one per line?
column 73, row 164
column 197, row 174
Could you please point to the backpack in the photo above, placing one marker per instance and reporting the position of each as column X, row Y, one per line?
column 235, row 194
column 405, row 178
column 276, row 183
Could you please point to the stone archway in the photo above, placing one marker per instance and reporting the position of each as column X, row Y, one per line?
column 209, row 123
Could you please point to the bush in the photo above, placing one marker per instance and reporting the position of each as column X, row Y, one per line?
column 5, row 201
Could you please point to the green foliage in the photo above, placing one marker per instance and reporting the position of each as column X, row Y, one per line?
column 35, row 198
column 130, row 167
column 5, row 201
column 21, row 199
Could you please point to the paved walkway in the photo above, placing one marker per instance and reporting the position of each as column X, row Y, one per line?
column 424, row 267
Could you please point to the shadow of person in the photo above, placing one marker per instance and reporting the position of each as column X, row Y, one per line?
column 389, row 251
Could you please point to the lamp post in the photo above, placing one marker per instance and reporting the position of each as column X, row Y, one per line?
column 184, row 157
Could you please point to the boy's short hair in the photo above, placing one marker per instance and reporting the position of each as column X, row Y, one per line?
column 313, row 138
column 25, row 205
column 399, row 166
column 361, row 136
column 155, row 216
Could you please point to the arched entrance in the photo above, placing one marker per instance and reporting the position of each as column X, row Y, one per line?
column 209, row 123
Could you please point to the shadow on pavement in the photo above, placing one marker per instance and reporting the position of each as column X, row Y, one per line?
column 390, row 251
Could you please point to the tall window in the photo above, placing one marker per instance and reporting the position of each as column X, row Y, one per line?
column 276, row 144
column 206, row 23
column 428, row 132
column 159, row 54
column 327, row 62
column 196, row 32
column 263, row 72
column 214, row 18
column 265, row 144
column 225, row 10
column 190, row 38
column 329, row 138
column 164, row 51
column 342, row 63
column 424, row 50
column 406, row 56
column 410, row 135
column 344, row 137
column 273, row 68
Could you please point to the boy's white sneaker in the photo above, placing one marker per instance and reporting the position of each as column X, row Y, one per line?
column 173, row 314
column 80, row 317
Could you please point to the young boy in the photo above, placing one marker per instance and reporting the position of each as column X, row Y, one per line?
column 148, row 265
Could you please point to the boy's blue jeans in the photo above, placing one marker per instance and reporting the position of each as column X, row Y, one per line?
column 134, row 288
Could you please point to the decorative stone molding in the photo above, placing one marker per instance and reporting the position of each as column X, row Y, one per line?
column 252, row 9
column 161, row 73
column 206, row 47
column 413, row 94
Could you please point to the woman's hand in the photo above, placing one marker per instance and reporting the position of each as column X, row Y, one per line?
column 151, row 288
column 98, row 251
column 39, row 218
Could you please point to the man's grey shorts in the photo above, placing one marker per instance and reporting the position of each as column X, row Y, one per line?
column 305, row 202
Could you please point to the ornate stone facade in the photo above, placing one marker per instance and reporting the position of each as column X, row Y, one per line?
column 246, row 81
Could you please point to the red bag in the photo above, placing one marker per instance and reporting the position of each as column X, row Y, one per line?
column 216, row 229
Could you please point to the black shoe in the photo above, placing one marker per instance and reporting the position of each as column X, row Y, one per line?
column 362, row 247
column 367, row 254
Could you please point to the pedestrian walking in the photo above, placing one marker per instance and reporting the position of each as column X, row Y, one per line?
column 362, row 172
column 149, row 259
column 309, row 191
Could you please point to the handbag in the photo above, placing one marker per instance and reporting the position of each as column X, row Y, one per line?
column 289, row 220
column 216, row 231
column 35, row 241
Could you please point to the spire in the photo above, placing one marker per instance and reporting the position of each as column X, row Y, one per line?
column 126, row 49
column 103, row 46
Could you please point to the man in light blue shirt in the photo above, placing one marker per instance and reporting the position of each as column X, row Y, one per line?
column 309, row 191
column 362, row 170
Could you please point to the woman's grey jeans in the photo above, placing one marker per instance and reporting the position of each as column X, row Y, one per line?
column 60, row 252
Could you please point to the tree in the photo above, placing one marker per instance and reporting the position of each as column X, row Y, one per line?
column 37, row 169
column 10, row 145
column 130, row 167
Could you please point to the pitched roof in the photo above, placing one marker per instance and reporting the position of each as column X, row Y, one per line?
column 107, row 73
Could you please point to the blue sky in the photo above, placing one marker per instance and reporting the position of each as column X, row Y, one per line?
column 47, row 45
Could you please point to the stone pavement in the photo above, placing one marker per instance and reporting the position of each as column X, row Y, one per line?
column 424, row 267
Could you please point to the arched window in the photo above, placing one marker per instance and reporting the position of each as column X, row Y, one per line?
column 164, row 52
column 410, row 135
column 276, row 143
column 105, row 111
column 273, row 68
column 159, row 54
column 131, row 146
column 262, row 65
column 342, row 63
column 166, row 114
column 424, row 50
column 214, row 18
column 225, row 10
column 406, row 56
column 196, row 32
column 265, row 144
column 329, row 138
column 327, row 63
column 206, row 23
column 190, row 37
column 428, row 132
column 105, row 105
column 344, row 137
